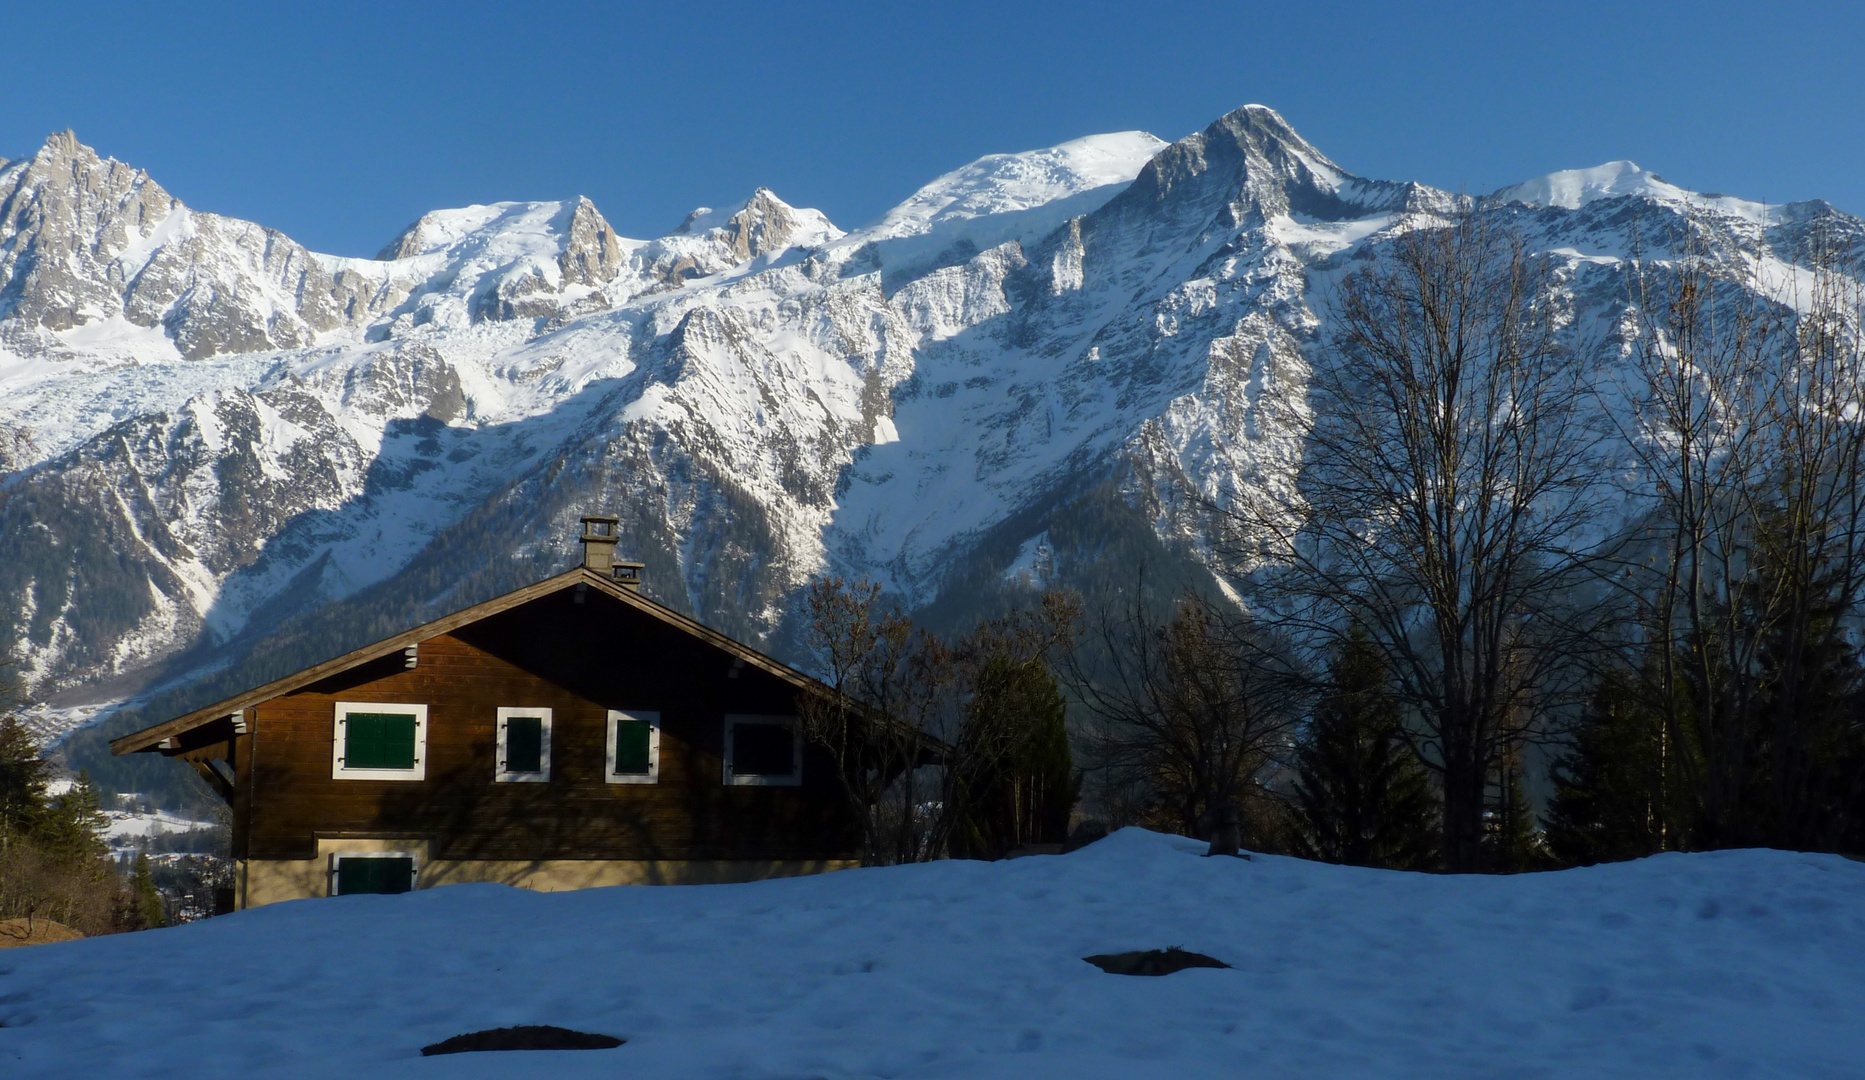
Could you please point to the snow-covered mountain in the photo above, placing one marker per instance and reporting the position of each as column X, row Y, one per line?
column 1018, row 374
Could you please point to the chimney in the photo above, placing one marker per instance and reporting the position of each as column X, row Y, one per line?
column 599, row 537
column 600, row 534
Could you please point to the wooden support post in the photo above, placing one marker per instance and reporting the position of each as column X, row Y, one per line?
column 214, row 779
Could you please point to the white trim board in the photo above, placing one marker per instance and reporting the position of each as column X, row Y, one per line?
column 794, row 779
column 339, row 771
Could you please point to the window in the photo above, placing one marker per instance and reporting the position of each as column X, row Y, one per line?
column 634, row 747
column 372, row 872
column 376, row 741
column 762, row 750
column 524, row 745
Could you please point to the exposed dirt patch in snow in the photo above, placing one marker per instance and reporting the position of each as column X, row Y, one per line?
column 523, row 1037
column 16, row 932
column 1153, row 961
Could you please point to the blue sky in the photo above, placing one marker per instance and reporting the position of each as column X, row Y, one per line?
column 341, row 122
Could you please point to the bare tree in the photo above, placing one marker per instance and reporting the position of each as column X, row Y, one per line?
column 891, row 684
column 1813, row 540
column 1438, row 511
column 1751, row 440
column 1191, row 711
column 1703, row 339
column 926, row 736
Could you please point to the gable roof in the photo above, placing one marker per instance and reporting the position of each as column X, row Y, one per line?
column 150, row 738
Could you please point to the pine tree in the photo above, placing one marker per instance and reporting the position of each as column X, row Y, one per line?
column 1619, row 790
column 72, row 825
column 145, row 900
column 1510, row 843
column 1050, row 784
column 1809, row 712
column 1023, row 786
column 1362, row 796
column 23, row 775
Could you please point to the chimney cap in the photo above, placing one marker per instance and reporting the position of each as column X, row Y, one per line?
column 626, row 574
column 600, row 535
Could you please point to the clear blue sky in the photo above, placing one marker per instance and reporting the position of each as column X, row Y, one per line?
column 341, row 122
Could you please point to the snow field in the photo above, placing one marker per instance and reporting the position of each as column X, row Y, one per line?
column 1718, row 965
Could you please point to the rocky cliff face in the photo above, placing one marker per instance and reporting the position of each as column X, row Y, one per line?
column 250, row 456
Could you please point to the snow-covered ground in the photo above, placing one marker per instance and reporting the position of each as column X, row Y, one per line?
column 126, row 825
column 1734, row 964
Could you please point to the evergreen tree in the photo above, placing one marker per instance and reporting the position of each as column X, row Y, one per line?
column 23, row 775
column 71, row 827
column 145, row 900
column 1808, row 712
column 1051, row 784
column 1620, row 790
column 1510, row 843
column 1362, row 796
column 1022, row 790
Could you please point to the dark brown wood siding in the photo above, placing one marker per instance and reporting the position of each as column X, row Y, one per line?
column 579, row 660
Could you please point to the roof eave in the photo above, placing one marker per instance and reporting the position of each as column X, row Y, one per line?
column 151, row 738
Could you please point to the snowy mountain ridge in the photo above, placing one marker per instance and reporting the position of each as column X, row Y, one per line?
column 241, row 443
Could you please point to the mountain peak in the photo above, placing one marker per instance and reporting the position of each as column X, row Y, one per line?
column 64, row 144
column 1252, row 156
column 1571, row 189
column 1010, row 183
column 761, row 224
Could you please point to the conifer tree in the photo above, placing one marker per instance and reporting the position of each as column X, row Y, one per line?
column 1023, row 791
column 1810, row 715
column 1510, row 841
column 1621, row 790
column 71, row 828
column 23, row 775
column 145, row 900
column 1363, row 798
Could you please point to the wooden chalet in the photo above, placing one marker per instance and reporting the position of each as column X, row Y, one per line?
column 569, row 734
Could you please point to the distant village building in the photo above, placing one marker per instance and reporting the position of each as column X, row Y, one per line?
column 569, row 734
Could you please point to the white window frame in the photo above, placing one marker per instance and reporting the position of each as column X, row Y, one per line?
column 336, row 857
column 504, row 775
column 338, row 771
column 653, row 775
column 795, row 779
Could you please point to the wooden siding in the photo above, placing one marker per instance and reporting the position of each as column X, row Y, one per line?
column 579, row 659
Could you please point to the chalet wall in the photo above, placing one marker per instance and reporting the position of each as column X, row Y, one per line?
column 268, row 881
column 579, row 659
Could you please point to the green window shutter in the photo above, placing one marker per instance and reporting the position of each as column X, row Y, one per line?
column 631, row 746
column 362, row 740
column 763, row 750
column 524, row 744
column 378, row 741
column 374, row 875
